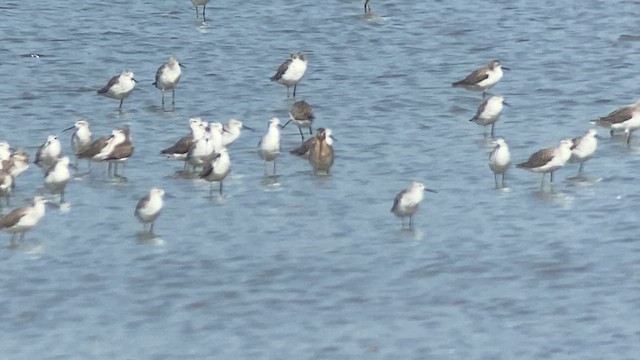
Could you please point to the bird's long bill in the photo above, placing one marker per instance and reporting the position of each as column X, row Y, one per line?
column 248, row 128
column 182, row 66
column 225, row 130
column 69, row 128
column 506, row 104
column 333, row 138
column 430, row 190
column 285, row 124
column 134, row 80
column 505, row 68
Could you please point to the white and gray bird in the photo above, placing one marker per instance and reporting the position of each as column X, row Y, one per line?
column 216, row 168
column 291, row 71
column 548, row 160
column 22, row 219
column 269, row 146
column 119, row 87
column 407, row 201
column 206, row 146
column 499, row 161
column 180, row 149
column 583, row 148
column 57, row 176
column 483, row 78
column 489, row 111
column 17, row 163
column 232, row 130
column 626, row 118
column 81, row 138
column 301, row 114
column 48, row 153
column 149, row 206
column 167, row 78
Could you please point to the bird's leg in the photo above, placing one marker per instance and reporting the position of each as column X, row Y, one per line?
column 580, row 169
column 410, row 222
column 197, row 13
column 120, row 107
column 204, row 9
column 288, row 91
column 628, row 137
column 173, row 98
column 62, row 196
column 274, row 167
column 310, row 130
column 492, row 128
column 221, row 187
column 299, row 128
column 151, row 228
column 294, row 90
column 495, row 177
column 551, row 182
column 611, row 132
column 503, row 175
column 163, row 99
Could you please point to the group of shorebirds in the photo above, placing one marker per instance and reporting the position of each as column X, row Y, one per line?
column 547, row 160
column 206, row 144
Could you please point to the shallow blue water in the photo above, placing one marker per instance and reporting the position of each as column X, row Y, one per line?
column 300, row 267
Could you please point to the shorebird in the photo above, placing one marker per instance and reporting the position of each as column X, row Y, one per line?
column 206, row 146
column 20, row 220
column 113, row 149
column 121, row 151
column 17, row 164
column 626, row 118
column 367, row 8
column 232, row 131
column 301, row 114
column 321, row 152
column 148, row 208
column 269, row 145
column 57, row 176
column 216, row 169
column 499, row 160
column 167, row 78
column 202, row 3
column 548, row 160
column 6, row 185
column 407, row 201
column 94, row 149
column 583, row 148
column 48, row 153
column 291, row 71
column 119, row 87
column 180, row 149
column 489, row 111
column 482, row 78
column 81, row 138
